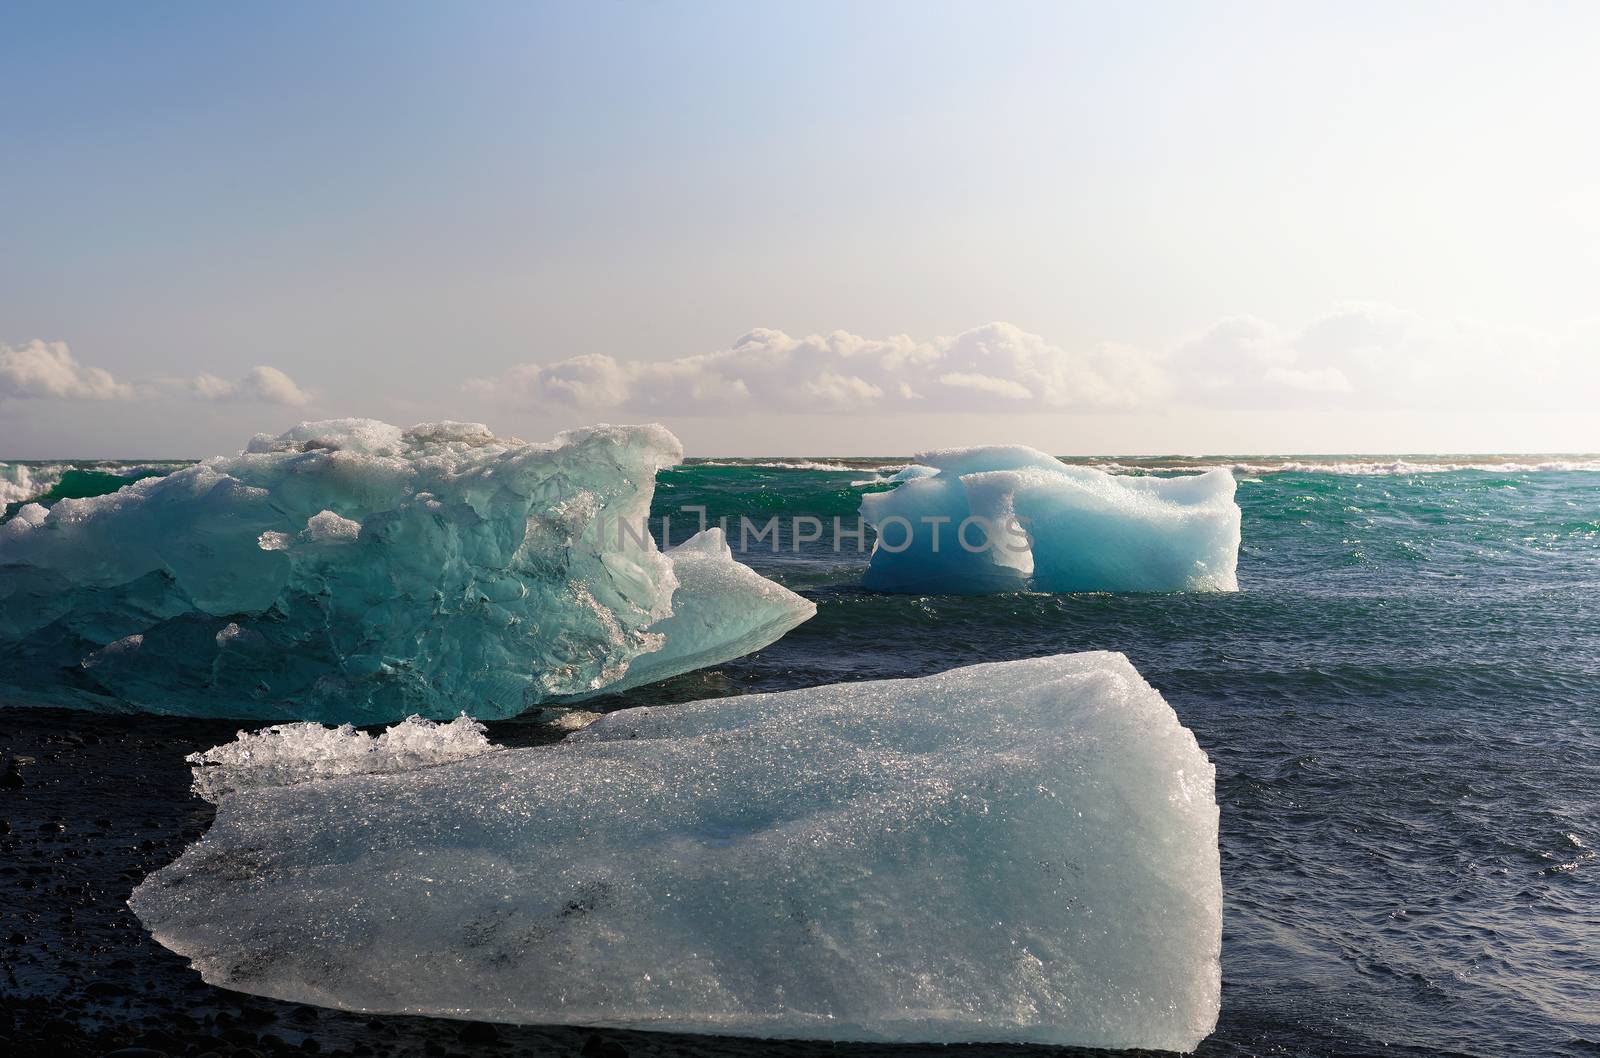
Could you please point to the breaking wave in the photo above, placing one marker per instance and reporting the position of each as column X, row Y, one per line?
column 779, row 464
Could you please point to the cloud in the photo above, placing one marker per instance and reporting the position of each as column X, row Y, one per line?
column 1356, row 357
column 48, row 369
column 1000, row 387
column 1246, row 362
column 994, row 367
column 1375, row 356
column 263, row 384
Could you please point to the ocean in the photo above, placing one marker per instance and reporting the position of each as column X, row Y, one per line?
column 1402, row 703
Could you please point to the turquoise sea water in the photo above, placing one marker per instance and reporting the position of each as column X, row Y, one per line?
column 1402, row 702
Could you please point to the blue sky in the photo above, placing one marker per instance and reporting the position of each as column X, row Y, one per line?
column 1099, row 227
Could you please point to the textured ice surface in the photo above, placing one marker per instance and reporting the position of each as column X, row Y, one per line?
column 349, row 570
column 1035, row 523
column 722, row 610
column 1014, row 851
column 294, row 753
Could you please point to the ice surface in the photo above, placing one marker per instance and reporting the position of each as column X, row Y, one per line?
column 1035, row 523
column 349, row 570
column 722, row 610
column 1014, row 851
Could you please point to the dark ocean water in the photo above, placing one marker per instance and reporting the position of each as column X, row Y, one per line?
column 1402, row 702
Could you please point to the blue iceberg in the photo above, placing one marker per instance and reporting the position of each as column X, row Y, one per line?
column 1021, row 851
column 351, row 571
column 1012, row 518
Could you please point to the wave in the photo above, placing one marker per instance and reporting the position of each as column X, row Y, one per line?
column 873, row 471
column 46, row 482
column 27, row 482
column 1375, row 468
column 20, row 482
column 778, row 464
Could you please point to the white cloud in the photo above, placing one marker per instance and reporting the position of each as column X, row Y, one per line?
column 1357, row 357
column 263, row 384
column 1242, row 361
column 48, row 369
column 995, row 367
column 1377, row 357
column 1309, row 379
column 999, row 387
column 43, row 370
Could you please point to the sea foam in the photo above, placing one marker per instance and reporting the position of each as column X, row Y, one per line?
column 20, row 482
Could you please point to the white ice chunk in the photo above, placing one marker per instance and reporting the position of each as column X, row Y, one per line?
column 367, row 436
column 330, row 526
column 912, row 472
column 374, row 573
column 1019, row 851
column 1011, row 518
column 303, row 752
column 471, row 433
column 27, row 517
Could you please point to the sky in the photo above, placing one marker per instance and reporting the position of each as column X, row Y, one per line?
column 820, row 228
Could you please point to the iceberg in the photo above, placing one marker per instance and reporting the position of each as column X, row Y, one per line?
column 352, row 571
column 1019, row 851
column 1012, row 518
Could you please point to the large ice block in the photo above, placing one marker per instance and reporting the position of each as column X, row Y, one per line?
column 349, row 570
column 1021, row 851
